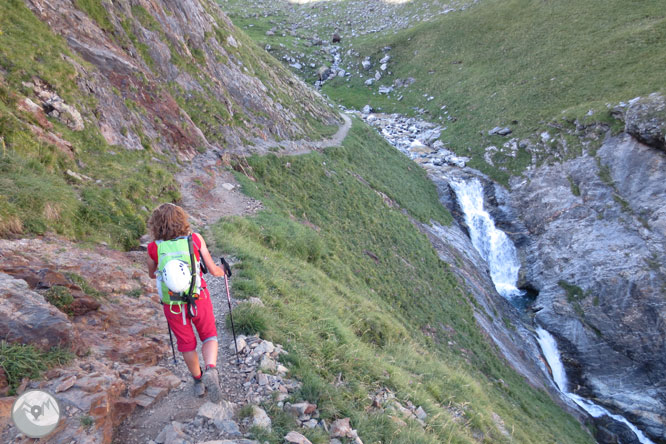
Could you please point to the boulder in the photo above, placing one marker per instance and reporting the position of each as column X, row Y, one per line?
column 27, row 318
column 645, row 119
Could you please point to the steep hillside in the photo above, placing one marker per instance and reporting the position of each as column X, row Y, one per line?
column 365, row 306
column 100, row 102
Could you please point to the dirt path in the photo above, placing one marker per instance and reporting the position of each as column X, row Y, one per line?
column 180, row 404
column 210, row 191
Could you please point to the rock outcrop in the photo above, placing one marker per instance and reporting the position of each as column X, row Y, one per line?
column 645, row 119
column 118, row 343
column 176, row 76
column 596, row 253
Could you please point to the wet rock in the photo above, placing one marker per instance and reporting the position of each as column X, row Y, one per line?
column 645, row 119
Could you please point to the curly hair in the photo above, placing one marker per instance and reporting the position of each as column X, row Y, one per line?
column 168, row 221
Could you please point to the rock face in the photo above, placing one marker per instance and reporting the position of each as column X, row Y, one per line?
column 646, row 120
column 118, row 342
column 175, row 76
column 597, row 253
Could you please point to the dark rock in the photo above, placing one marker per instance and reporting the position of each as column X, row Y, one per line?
column 609, row 431
column 645, row 119
column 336, row 38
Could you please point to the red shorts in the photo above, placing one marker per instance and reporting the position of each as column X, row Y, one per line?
column 181, row 323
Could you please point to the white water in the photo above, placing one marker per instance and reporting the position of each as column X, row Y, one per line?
column 492, row 244
column 500, row 254
column 552, row 355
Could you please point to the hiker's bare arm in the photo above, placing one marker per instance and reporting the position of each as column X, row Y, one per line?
column 152, row 268
column 208, row 260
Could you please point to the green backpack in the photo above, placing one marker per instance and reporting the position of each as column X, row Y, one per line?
column 179, row 249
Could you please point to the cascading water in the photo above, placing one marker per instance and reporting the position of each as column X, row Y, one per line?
column 550, row 352
column 493, row 245
column 500, row 254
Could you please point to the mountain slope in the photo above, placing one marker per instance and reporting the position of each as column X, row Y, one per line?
column 117, row 94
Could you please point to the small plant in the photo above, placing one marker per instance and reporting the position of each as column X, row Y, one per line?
column 245, row 411
column 85, row 286
column 135, row 293
column 61, row 298
column 87, row 421
column 574, row 292
column 575, row 189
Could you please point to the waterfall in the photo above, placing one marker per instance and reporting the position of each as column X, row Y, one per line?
column 498, row 251
column 493, row 245
column 552, row 355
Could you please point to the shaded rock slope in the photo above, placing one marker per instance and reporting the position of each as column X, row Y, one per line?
column 593, row 246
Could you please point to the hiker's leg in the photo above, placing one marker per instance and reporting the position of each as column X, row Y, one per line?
column 210, row 351
column 192, row 360
column 181, row 327
column 205, row 325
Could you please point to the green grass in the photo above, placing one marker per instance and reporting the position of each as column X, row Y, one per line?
column 574, row 292
column 519, row 63
column 342, row 314
column 61, row 298
column 36, row 196
column 25, row 361
column 97, row 12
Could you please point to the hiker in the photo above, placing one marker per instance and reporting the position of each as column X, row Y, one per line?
column 172, row 235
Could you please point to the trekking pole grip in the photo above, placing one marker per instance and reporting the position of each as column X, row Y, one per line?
column 227, row 268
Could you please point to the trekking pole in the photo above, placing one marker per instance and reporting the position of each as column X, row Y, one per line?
column 227, row 271
column 173, row 350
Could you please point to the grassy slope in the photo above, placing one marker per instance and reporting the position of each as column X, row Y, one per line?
column 36, row 195
column 340, row 312
column 526, row 61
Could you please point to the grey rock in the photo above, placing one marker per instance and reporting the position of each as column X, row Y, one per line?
column 227, row 427
column 224, row 410
column 501, row 131
column 645, row 119
column 27, row 318
column 606, row 237
column 260, row 418
column 366, row 64
column 369, row 82
column 367, row 109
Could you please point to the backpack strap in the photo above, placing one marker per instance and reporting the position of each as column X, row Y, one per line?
column 189, row 296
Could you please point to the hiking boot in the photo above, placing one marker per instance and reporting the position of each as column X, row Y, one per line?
column 199, row 388
column 212, row 381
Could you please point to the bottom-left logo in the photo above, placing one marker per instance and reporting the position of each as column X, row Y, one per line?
column 36, row 413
